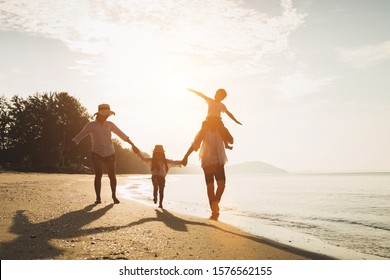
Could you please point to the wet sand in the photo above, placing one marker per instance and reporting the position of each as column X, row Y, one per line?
column 53, row 216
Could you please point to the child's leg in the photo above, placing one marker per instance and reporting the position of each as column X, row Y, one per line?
column 161, row 188
column 155, row 188
column 199, row 136
column 226, row 136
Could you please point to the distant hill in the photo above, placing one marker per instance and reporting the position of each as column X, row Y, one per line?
column 254, row 167
column 251, row 167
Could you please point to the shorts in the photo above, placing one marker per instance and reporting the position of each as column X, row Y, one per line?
column 109, row 159
column 158, row 181
column 216, row 172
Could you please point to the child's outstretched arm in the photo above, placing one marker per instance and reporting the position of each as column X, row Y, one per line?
column 199, row 93
column 139, row 154
column 232, row 117
column 173, row 163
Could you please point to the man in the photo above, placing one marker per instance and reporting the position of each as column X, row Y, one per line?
column 213, row 158
column 102, row 148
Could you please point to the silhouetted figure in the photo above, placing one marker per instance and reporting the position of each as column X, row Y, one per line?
column 213, row 119
column 102, row 148
column 159, row 168
column 213, row 157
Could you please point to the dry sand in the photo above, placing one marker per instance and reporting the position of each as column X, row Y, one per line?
column 52, row 216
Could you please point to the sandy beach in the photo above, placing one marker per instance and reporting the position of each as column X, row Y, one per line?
column 53, row 216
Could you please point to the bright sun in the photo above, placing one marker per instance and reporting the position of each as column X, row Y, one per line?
column 146, row 68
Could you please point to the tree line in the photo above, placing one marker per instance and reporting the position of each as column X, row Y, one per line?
column 35, row 130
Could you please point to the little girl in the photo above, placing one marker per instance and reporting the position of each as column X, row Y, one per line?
column 159, row 167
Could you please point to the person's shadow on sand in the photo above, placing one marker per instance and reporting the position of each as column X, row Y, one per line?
column 169, row 220
column 33, row 238
column 33, row 241
column 180, row 224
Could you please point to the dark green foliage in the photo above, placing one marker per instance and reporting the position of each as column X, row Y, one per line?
column 34, row 131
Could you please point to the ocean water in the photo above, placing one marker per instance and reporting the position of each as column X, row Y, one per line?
column 346, row 216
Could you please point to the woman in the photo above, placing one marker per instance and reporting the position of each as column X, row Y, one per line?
column 102, row 148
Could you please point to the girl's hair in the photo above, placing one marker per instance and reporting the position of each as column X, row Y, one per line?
column 157, row 157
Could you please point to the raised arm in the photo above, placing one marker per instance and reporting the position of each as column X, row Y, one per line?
column 232, row 117
column 199, row 93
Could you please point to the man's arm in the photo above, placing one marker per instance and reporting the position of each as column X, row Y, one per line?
column 185, row 159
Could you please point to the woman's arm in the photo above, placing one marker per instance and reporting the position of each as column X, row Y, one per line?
column 123, row 136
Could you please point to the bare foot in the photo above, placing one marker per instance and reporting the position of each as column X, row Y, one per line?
column 214, row 216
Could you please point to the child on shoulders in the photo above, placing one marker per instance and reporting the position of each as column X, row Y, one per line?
column 213, row 119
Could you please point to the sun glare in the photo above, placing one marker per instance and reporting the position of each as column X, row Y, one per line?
column 144, row 67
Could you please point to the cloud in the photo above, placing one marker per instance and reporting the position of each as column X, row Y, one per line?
column 225, row 33
column 301, row 84
column 366, row 56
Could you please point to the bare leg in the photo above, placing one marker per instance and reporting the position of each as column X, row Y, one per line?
column 155, row 188
column 161, row 193
column 220, row 189
column 98, row 166
column 113, row 182
column 210, row 193
column 155, row 191
column 161, row 188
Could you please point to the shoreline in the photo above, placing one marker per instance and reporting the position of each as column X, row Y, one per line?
column 138, row 185
column 52, row 216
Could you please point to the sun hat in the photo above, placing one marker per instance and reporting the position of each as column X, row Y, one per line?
column 104, row 109
column 158, row 148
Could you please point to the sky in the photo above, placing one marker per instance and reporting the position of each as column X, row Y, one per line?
column 308, row 79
